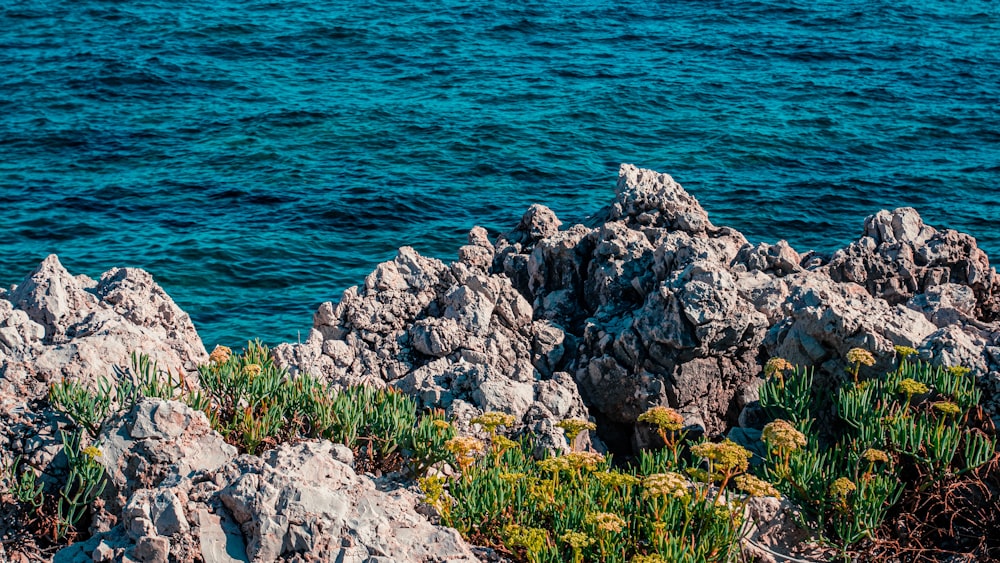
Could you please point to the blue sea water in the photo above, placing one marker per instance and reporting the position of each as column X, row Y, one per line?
column 258, row 156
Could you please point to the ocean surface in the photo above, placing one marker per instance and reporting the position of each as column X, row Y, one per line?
column 259, row 157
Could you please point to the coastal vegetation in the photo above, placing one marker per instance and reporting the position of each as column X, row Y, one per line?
column 876, row 448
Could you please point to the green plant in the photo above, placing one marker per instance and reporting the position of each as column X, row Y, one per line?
column 83, row 485
column 589, row 510
column 573, row 427
column 788, row 397
column 21, row 482
column 669, row 424
column 890, row 426
column 86, row 408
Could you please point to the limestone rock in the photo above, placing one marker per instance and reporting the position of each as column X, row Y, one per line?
column 155, row 441
column 444, row 334
column 58, row 325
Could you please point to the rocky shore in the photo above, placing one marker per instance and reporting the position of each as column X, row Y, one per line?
column 649, row 304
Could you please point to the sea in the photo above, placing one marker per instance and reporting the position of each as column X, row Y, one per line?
column 258, row 157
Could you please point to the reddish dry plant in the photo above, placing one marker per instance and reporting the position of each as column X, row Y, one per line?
column 953, row 520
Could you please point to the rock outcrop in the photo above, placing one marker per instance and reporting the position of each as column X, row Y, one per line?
column 653, row 305
column 192, row 499
column 55, row 325
column 649, row 304
column 454, row 336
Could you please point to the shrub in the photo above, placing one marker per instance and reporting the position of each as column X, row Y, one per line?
column 902, row 431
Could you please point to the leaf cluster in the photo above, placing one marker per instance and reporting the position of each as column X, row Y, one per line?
column 904, row 430
column 579, row 507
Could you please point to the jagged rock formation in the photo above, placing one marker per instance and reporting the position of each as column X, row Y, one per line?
column 654, row 305
column 453, row 336
column 56, row 325
column 649, row 304
column 194, row 499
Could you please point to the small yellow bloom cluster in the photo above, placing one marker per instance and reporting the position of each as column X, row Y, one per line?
column 911, row 387
column 782, row 437
column 577, row 540
column 92, row 452
column 539, row 493
column 503, row 443
column 726, row 456
column 584, row 460
column 663, row 417
column 252, row 370
column 756, row 487
column 904, row 351
column 777, row 366
column 491, row 420
column 465, row 450
column 606, row 522
column 699, row 474
column 555, row 464
column 872, row 455
column 433, row 488
column 860, row 356
column 512, row 478
column 615, row 479
column 665, row 485
column 959, row 371
column 653, row 558
column 574, row 426
column 946, row 408
column 220, row 355
column 441, row 424
column 842, row 487
column 531, row 539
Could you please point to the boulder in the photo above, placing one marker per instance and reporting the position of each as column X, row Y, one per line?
column 301, row 502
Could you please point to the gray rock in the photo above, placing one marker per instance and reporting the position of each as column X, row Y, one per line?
column 158, row 440
column 303, row 500
column 220, row 539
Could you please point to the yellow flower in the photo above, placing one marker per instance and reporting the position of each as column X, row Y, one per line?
column 584, row 460
column 860, row 356
column 665, row 485
column 433, row 488
column 465, row 450
column 606, row 522
column 842, row 487
column 441, row 424
column 503, row 443
column 572, row 427
column 615, row 479
column 946, row 408
column 577, row 540
column 776, row 366
column 726, row 456
column 252, row 370
column 512, row 478
column 92, row 452
column 872, row 455
column 911, row 387
column 959, row 371
column 756, row 487
column 904, row 351
column 555, row 464
column 652, row 558
column 699, row 474
column 663, row 417
column 220, row 354
column 782, row 437
column 491, row 420
column 539, row 493
column 531, row 539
